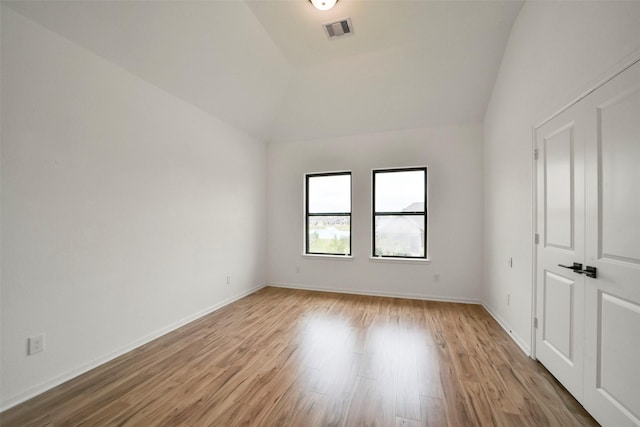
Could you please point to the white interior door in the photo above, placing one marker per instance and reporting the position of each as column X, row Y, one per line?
column 612, row 322
column 560, row 290
column 588, row 212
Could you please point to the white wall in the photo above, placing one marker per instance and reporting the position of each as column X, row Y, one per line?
column 123, row 209
column 454, row 157
column 556, row 51
column 214, row 54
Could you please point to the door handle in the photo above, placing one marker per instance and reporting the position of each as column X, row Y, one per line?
column 577, row 268
column 590, row 272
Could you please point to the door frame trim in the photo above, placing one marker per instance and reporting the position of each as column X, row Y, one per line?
column 534, row 187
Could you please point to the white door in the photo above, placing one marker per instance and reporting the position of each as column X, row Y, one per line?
column 588, row 212
column 560, row 291
column 612, row 323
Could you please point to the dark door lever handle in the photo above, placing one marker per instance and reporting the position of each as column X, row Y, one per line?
column 589, row 272
column 577, row 268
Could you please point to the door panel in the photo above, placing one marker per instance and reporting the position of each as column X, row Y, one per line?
column 612, row 301
column 558, row 188
column 618, row 373
column 560, row 291
column 619, row 126
column 557, row 331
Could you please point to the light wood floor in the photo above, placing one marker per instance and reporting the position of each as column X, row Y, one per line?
column 298, row 358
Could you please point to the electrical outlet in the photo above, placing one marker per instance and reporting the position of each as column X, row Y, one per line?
column 228, row 280
column 510, row 262
column 36, row 344
column 436, row 277
column 508, row 299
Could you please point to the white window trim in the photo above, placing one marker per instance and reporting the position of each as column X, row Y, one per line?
column 400, row 260
column 320, row 256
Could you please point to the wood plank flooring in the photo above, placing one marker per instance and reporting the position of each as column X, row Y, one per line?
column 283, row 357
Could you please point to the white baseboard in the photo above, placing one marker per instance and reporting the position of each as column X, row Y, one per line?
column 377, row 293
column 515, row 337
column 47, row 385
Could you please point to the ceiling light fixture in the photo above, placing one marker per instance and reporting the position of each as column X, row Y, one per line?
column 323, row 4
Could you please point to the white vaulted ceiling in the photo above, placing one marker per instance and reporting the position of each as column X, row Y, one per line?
column 267, row 67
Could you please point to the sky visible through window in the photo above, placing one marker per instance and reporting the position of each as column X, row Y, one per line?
column 398, row 190
column 330, row 194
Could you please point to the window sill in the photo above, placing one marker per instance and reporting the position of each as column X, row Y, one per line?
column 321, row 256
column 400, row 260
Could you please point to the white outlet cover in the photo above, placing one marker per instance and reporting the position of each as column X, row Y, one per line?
column 36, row 344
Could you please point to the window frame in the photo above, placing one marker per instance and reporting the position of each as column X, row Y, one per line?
column 307, row 214
column 374, row 213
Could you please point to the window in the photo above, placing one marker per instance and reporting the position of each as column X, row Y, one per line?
column 399, row 213
column 328, row 214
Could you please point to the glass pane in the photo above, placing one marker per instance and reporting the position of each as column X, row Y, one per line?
column 330, row 194
column 329, row 235
column 399, row 235
column 400, row 191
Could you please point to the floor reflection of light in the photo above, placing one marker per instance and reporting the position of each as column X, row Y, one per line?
column 327, row 340
column 404, row 342
column 402, row 353
column 328, row 345
column 333, row 354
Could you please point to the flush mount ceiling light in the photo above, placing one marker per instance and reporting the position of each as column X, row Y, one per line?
column 323, row 4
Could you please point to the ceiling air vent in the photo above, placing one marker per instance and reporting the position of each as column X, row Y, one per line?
column 338, row 28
